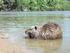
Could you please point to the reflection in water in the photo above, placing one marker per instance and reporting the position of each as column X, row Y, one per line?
column 48, row 46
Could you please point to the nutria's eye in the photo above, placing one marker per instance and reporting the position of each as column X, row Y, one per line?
column 35, row 27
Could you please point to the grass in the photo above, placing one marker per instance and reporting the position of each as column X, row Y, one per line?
column 66, row 5
column 41, row 5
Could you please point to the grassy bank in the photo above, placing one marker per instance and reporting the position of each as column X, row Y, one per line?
column 66, row 6
column 34, row 5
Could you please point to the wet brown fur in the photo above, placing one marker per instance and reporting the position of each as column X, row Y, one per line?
column 47, row 31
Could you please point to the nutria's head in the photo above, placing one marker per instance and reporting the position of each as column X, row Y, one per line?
column 31, row 32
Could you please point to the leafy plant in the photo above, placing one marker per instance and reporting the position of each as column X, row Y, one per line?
column 40, row 5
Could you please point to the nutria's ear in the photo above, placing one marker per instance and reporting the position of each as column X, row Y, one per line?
column 36, row 27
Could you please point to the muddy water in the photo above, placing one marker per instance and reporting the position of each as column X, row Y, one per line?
column 14, row 28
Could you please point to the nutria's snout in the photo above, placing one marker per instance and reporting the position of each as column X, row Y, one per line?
column 31, row 35
column 25, row 32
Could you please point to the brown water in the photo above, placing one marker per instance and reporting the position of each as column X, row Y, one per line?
column 15, row 27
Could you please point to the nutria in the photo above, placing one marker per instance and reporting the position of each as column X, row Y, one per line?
column 47, row 31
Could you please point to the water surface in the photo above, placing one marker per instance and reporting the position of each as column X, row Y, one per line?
column 15, row 27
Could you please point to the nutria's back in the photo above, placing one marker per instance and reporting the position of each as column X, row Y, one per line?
column 51, row 31
column 50, row 26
